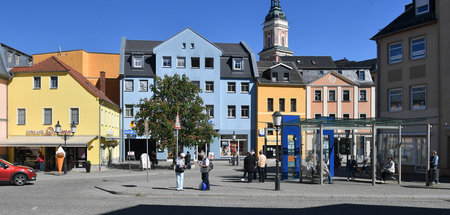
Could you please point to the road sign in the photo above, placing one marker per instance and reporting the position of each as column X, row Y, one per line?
column 177, row 122
column 146, row 128
column 130, row 132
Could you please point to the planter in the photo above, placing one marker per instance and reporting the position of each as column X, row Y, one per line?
column 88, row 167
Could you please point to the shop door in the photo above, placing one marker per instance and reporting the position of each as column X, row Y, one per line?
column 50, row 163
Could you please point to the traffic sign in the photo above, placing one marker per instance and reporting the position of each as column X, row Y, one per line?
column 177, row 122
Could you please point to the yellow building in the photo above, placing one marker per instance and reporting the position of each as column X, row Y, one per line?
column 51, row 91
column 280, row 88
column 90, row 64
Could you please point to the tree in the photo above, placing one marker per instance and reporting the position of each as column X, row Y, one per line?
column 173, row 95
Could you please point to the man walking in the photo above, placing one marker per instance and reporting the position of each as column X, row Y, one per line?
column 249, row 165
column 204, row 169
column 179, row 171
column 262, row 161
column 188, row 160
column 434, row 161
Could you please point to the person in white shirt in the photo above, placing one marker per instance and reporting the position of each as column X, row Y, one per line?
column 204, row 169
column 179, row 170
column 389, row 169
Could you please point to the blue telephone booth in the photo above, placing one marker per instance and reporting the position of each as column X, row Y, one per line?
column 290, row 144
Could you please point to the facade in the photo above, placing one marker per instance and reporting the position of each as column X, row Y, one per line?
column 224, row 72
column 91, row 64
column 276, row 34
column 413, row 53
column 9, row 57
column 280, row 88
column 51, row 92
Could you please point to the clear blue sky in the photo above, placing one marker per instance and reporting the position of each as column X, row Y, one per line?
column 338, row 28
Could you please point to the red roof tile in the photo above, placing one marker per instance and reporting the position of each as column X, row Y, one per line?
column 53, row 64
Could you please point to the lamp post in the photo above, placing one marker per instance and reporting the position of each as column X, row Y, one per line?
column 65, row 136
column 277, row 123
column 237, row 152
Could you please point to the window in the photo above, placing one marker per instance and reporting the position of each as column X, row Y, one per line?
column 238, row 64
column 30, row 62
column 53, row 82
column 361, row 75
column 210, row 110
column 195, row 62
column 231, row 111
column 274, row 76
column 129, row 85
column 183, row 45
column 209, row 86
column 346, row 95
column 317, row 95
column 209, row 63
column 143, row 86
column 47, row 116
column 137, row 61
column 270, row 104
column 196, row 83
column 422, row 6
column 281, row 104
column 418, row 97
column 317, row 115
column 17, row 60
column 362, row 95
column 418, row 48
column 293, row 105
column 395, row 53
column 129, row 111
column 286, row 77
column 340, row 72
column 282, row 41
column 75, row 116
column 192, row 46
column 321, row 72
column 21, row 116
column 36, row 82
column 332, row 115
column 332, row 95
column 10, row 57
column 395, row 100
column 245, row 87
column 231, row 87
column 269, row 41
column 346, row 116
column 181, row 62
column 362, row 116
column 244, row 111
column 167, row 61
column 270, row 129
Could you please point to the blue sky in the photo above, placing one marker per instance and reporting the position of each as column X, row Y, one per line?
column 338, row 28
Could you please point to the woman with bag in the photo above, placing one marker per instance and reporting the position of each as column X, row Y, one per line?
column 179, row 171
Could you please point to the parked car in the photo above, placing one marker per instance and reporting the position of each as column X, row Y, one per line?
column 18, row 175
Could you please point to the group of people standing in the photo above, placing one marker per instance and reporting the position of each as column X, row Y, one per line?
column 252, row 165
column 183, row 162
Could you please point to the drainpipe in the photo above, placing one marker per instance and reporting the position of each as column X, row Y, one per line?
column 100, row 134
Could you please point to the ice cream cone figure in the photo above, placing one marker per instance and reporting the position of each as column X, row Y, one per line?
column 60, row 154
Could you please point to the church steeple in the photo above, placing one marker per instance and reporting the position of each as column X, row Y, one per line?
column 276, row 28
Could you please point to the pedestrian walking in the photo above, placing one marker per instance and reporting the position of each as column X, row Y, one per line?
column 179, row 171
column 249, row 165
column 351, row 168
column 389, row 169
column 262, row 162
column 188, row 160
column 204, row 169
column 434, row 161
column 40, row 160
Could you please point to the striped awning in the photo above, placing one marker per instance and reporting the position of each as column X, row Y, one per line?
column 46, row 141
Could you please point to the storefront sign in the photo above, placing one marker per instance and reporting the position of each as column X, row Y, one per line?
column 50, row 131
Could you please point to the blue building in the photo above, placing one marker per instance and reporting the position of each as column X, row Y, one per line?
column 224, row 71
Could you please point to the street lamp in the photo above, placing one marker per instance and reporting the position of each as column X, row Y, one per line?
column 65, row 136
column 237, row 152
column 277, row 123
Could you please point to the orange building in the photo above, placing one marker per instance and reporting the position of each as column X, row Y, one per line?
column 90, row 65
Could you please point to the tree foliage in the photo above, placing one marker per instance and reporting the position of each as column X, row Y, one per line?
column 173, row 95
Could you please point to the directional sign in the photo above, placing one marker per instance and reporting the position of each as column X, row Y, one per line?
column 131, row 132
column 177, row 122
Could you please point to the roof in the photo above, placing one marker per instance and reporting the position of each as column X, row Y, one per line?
column 53, row 64
column 275, row 11
column 344, row 63
column 144, row 46
column 306, row 62
column 11, row 48
column 236, row 50
column 408, row 20
column 266, row 68
column 3, row 72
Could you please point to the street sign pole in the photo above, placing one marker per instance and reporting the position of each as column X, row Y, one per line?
column 146, row 140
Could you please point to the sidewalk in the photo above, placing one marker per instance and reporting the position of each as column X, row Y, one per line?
column 225, row 182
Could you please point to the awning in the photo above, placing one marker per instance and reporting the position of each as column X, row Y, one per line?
column 46, row 141
column 111, row 138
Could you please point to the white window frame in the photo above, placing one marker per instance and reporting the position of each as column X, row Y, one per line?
column 57, row 82
column 138, row 61
column 245, row 85
column 349, row 96
column 361, row 75
column 179, row 60
column 343, row 115
column 132, row 85
column 236, row 63
column 34, row 82
column 132, row 111
column 391, row 59
column 365, row 93
column 209, row 83
column 390, row 99
column 242, row 111
column 140, row 87
column 229, row 84
column 24, row 117
column 210, row 112
column 10, row 57
column 421, row 4
column 17, row 59
column 212, row 60
column 421, row 53
column 192, row 60
column 329, row 94
column 315, row 99
column 412, row 97
column 316, row 114
column 43, row 116
column 360, row 115
column 164, row 58
column 274, row 76
column 70, row 115
column 230, row 107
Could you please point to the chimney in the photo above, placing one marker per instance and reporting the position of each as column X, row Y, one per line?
column 102, row 82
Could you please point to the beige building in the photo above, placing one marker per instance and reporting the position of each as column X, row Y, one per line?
column 414, row 65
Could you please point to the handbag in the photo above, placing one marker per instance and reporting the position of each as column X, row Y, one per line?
column 178, row 169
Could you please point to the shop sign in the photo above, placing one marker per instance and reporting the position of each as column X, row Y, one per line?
column 50, row 131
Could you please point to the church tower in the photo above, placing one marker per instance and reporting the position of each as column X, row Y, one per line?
column 276, row 28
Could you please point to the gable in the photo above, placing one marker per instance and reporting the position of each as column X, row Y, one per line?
column 332, row 79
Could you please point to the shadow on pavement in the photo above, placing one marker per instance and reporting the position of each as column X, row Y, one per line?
column 435, row 187
column 347, row 209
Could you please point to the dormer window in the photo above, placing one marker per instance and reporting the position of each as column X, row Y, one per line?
column 313, row 62
column 361, row 75
column 238, row 64
column 422, row 6
column 137, row 61
column 321, row 72
column 274, row 76
column 299, row 62
column 286, row 77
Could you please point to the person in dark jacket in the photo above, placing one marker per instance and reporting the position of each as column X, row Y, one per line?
column 351, row 168
column 249, row 166
column 187, row 159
